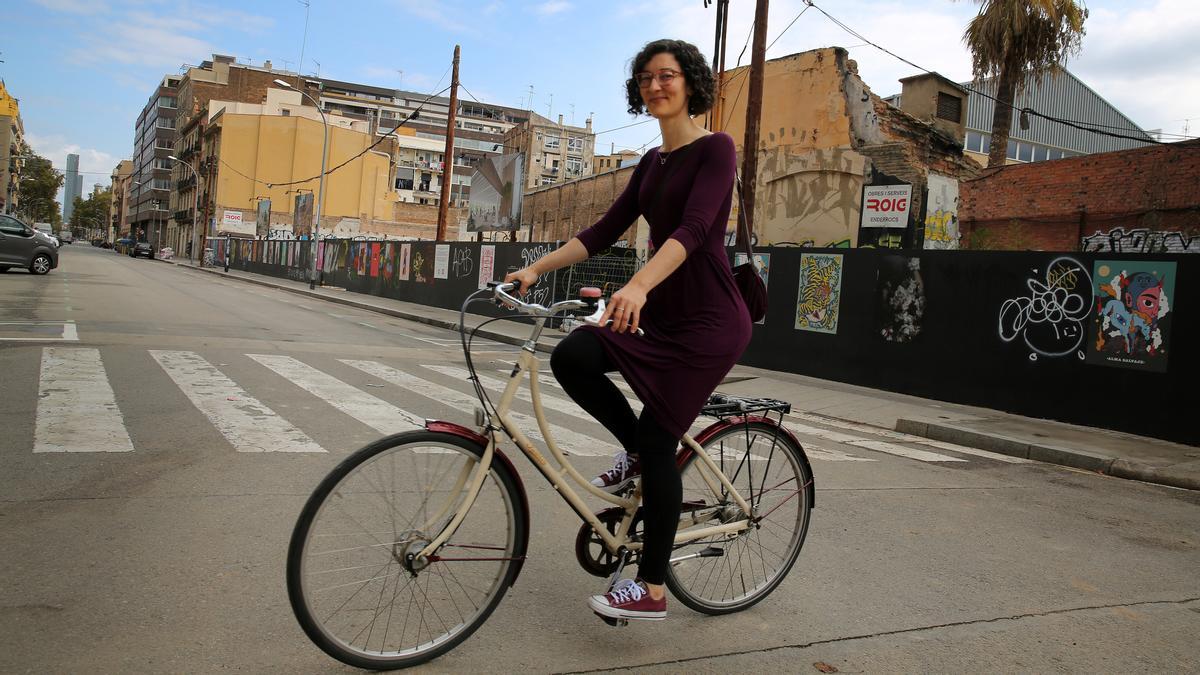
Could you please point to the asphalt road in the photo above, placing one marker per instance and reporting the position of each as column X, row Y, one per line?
column 139, row 535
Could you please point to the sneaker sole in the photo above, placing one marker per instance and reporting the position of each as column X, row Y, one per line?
column 616, row 613
column 617, row 487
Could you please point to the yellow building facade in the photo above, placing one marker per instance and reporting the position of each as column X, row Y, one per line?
column 263, row 157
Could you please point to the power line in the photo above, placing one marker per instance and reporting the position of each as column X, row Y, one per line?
column 1027, row 111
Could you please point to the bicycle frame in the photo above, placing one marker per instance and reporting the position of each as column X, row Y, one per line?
column 565, row 477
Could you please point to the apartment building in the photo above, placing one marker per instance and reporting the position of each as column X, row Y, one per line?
column 12, row 151
column 554, row 152
column 150, row 183
column 118, row 206
column 614, row 160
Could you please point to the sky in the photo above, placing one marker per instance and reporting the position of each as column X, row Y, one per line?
column 83, row 69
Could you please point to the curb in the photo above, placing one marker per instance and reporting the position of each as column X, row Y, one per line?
column 1079, row 459
column 542, row 346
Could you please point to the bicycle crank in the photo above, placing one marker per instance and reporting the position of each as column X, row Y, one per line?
column 590, row 551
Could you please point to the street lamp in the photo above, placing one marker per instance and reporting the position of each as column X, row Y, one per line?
column 312, row 281
column 195, row 203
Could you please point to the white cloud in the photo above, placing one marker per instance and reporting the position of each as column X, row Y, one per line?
column 552, row 7
column 436, row 12
column 95, row 166
column 75, row 6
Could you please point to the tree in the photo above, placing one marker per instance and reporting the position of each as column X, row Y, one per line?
column 39, row 186
column 1009, row 39
column 91, row 213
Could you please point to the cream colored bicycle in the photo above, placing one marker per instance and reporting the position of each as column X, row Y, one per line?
column 407, row 546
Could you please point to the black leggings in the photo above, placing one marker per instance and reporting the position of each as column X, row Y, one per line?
column 580, row 363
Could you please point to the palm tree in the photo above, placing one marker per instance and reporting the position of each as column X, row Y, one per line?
column 1009, row 38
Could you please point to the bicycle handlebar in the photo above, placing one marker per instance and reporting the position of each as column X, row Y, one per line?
column 534, row 309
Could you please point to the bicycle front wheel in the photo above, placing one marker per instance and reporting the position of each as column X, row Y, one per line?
column 728, row 573
column 351, row 582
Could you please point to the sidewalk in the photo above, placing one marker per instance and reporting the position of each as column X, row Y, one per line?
column 1100, row 450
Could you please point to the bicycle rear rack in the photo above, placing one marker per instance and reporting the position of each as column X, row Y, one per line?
column 721, row 406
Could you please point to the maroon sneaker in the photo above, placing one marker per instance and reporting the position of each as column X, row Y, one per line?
column 629, row 599
column 624, row 471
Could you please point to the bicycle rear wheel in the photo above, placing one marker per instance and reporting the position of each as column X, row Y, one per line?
column 769, row 470
column 350, row 582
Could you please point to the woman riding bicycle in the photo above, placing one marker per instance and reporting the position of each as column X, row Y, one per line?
column 695, row 324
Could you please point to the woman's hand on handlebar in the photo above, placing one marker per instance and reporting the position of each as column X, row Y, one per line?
column 625, row 309
column 526, row 278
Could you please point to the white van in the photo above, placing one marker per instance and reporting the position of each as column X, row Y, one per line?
column 65, row 236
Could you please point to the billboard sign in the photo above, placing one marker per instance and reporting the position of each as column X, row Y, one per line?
column 886, row 205
column 262, row 221
column 302, row 229
column 496, row 194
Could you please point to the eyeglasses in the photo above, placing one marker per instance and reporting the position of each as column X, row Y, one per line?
column 664, row 77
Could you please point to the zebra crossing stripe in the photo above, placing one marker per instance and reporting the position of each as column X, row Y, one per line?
column 77, row 410
column 817, row 452
column 370, row 410
column 246, row 423
column 569, row 441
column 878, row 446
column 909, row 438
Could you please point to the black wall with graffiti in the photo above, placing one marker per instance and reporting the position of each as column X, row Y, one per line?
column 1051, row 335
column 1099, row 339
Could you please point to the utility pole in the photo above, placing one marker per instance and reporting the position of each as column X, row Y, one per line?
column 448, row 156
column 719, row 63
column 753, row 118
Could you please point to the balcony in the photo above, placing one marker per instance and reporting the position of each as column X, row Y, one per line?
column 185, row 183
column 184, row 216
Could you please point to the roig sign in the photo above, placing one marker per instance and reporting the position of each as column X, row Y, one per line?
column 886, row 205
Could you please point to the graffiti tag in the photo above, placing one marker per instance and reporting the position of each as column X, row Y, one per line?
column 462, row 263
column 1050, row 319
column 1141, row 240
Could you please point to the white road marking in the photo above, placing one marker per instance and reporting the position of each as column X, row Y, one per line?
column 568, row 441
column 247, row 424
column 909, row 438
column 370, row 410
column 77, row 410
column 878, row 446
column 816, row 452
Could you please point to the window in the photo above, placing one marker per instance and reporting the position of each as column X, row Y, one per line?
column 1012, row 150
column 974, row 142
column 166, row 101
column 574, row 165
column 553, row 142
column 1025, row 152
column 575, row 145
column 11, row 226
column 547, row 181
column 1040, row 153
column 949, row 107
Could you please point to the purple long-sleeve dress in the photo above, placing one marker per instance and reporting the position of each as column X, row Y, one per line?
column 696, row 324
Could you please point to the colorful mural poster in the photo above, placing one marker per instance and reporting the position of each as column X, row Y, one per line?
column 374, row 259
column 441, row 261
column 900, row 293
column 820, row 293
column 1131, row 325
column 405, row 259
column 762, row 264
column 487, row 264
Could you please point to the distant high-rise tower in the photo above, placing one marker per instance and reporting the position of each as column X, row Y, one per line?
column 72, row 187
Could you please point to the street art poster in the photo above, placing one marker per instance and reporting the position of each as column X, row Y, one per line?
column 374, row 259
column 1050, row 317
column 441, row 261
column 820, row 295
column 941, row 213
column 487, row 264
column 762, row 265
column 1131, row 327
column 405, row 261
column 496, row 194
column 901, row 298
column 388, row 262
column 422, row 264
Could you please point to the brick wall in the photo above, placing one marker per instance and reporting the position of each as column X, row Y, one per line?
column 559, row 212
column 1055, row 205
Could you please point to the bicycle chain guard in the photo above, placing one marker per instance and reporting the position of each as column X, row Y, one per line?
column 593, row 557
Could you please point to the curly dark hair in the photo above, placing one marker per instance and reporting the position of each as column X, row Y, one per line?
column 696, row 72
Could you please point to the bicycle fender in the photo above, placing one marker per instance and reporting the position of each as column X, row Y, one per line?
column 498, row 455
column 685, row 451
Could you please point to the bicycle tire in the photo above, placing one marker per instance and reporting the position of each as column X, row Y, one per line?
column 782, row 468
column 313, row 571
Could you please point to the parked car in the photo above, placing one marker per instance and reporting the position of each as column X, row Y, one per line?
column 66, row 237
column 23, row 246
column 142, row 248
column 48, row 230
column 123, row 245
